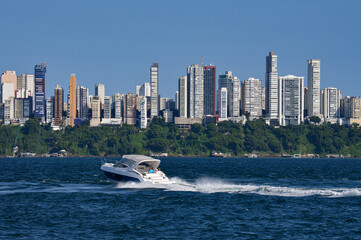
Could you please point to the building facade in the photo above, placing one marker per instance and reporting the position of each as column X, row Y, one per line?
column 222, row 99
column 154, row 95
column 58, row 105
column 40, row 89
column 72, row 99
column 195, row 91
column 252, row 98
column 331, row 103
column 272, row 87
column 183, row 95
column 292, row 93
column 313, row 85
column 210, row 88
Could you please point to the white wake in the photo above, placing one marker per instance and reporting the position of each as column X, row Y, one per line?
column 211, row 185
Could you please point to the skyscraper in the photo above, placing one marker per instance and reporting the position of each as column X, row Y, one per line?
column 210, row 86
column 129, row 108
column 222, row 103
column 176, row 99
column 137, row 90
column 330, row 103
column 292, row 93
column 9, row 77
column 58, row 105
column 154, row 95
column 40, row 88
column 145, row 89
column 252, row 98
column 83, row 106
column 232, row 84
column 182, row 86
column 143, row 112
column 313, row 84
column 49, row 109
column 195, row 84
column 107, row 107
column 100, row 92
column 117, row 102
column 72, row 99
column 272, row 87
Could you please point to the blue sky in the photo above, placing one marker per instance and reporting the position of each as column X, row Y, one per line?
column 115, row 42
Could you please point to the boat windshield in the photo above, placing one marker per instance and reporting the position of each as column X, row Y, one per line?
column 145, row 166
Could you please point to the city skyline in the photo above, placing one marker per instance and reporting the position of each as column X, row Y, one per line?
column 121, row 46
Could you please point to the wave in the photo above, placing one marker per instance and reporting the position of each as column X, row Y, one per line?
column 202, row 185
column 212, row 185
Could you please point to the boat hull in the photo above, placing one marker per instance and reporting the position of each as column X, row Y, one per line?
column 120, row 178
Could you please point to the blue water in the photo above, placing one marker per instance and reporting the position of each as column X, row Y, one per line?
column 69, row 198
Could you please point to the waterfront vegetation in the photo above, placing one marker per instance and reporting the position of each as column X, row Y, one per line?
column 234, row 139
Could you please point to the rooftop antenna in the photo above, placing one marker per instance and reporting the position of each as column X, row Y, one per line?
column 202, row 60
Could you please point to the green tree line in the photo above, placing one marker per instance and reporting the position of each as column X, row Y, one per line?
column 234, row 139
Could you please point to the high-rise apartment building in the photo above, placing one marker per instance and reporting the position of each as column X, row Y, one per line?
column 292, row 93
column 209, row 88
column 314, row 84
column 154, row 95
column 137, row 90
column 96, row 111
column 7, row 91
column 222, row 99
column 195, row 84
column 176, row 99
column 252, row 98
column 183, row 94
column 331, row 103
column 9, row 77
column 58, row 105
column 117, row 103
column 72, row 99
column 350, row 107
column 145, row 90
column 232, row 84
column 272, row 87
column 49, row 109
column 129, row 108
column 40, row 89
column 143, row 112
column 107, row 107
column 83, row 105
column 100, row 92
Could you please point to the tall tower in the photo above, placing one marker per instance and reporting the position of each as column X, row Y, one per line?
column 291, row 101
column 154, row 95
column 195, row 91
column 40, row 88
column 100, row 92
column 313, row 84
column 233, row 93
column 83, row 106
column 210, row 85
column 58, row 105
column 72, row 99
column 330, row 103
column 182, row 86
column 272, row 87
column 252, row 98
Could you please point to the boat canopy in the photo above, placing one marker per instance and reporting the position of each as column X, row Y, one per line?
column 134, row 160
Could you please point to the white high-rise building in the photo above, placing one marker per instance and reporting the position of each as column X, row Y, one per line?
column 145, row 90
column 272, row 87
column 30, row 87
column 222, row 103
column 100, row 92
column 49, row 109
column 252, row 98
column 292, row 94
column 154, row 95
column 232, row 84
column 183, row 94
column 143, row 112
column 7, row 91
column 107, row 107
column 8, row 110
column 137, row 90
column 314, row 84
column 330, row 103
column 195, row 95
column 117, row 102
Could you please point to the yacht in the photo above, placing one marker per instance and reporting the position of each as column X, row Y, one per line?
column 136, row 168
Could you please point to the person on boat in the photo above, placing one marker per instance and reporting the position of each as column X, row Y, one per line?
column 151, row 170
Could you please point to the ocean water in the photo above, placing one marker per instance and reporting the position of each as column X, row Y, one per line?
column 213, row 198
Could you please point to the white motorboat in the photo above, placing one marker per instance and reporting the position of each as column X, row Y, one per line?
column 136, row 168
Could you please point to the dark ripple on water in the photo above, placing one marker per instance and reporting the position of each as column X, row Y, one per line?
column 213, row 198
